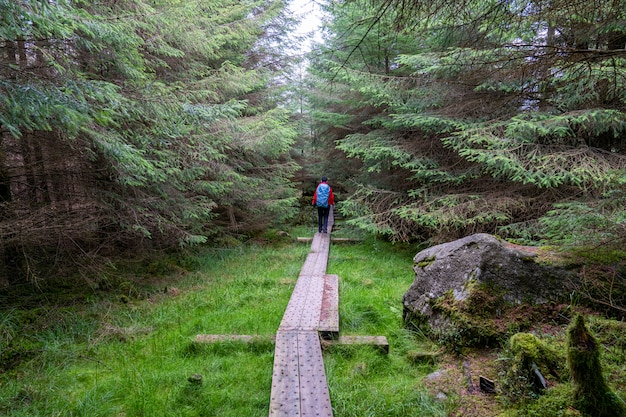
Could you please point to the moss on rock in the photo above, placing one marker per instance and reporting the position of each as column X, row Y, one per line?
column 458, row 329
column 528, row 349
column 528, row 355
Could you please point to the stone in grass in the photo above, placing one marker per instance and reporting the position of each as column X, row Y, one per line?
column 195, row 379
column 421, row 357
column 464, row 290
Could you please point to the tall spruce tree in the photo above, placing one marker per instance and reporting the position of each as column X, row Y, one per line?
column 138, row 124
column 502, row 117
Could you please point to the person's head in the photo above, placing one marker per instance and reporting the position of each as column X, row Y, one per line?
column 324, row 178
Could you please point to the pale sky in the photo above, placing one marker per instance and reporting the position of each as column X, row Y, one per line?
column 309, row 14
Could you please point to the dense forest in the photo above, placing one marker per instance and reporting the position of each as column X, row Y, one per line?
column 130, row 125
column 159, row 124
column 497, row 116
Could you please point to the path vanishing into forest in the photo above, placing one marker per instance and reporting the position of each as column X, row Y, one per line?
column 311, row 320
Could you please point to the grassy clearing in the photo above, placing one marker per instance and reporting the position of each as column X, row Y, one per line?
column 129, row 351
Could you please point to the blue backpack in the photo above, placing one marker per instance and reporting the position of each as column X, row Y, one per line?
column 323, row 192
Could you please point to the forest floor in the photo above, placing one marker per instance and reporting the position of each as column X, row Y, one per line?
column 108, row 349
column 124, row 345
column 457, row 376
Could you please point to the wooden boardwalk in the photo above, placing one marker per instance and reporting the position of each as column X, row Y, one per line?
column 299, row 386
column 310, row 321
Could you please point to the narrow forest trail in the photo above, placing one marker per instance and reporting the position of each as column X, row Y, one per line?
column 299, row 385
column 311, row 321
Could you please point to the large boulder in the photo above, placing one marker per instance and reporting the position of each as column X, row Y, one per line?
column 464, row 290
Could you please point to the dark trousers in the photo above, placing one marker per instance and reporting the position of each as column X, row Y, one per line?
column 322, row 219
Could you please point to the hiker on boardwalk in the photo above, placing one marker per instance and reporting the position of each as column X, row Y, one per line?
column 323, row 198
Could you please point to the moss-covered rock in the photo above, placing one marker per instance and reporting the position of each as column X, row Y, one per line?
column 529, row 366
column 528, row 349
column 483, row 319
column 458, row 328
column 464, row 291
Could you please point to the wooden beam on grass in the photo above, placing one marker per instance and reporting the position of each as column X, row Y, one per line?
column 328, row 326
column 333, row 239
column 244, row 338
column 378, row 342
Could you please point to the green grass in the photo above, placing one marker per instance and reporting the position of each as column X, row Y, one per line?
column 373, row 276
column 133, row 356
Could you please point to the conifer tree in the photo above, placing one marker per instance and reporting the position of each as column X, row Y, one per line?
column 138, row 124
column 502, row 117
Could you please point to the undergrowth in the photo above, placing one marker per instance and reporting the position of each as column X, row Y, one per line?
column 120, row 343
column 363, row 382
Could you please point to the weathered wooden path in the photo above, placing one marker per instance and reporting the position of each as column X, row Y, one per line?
column 299, row 386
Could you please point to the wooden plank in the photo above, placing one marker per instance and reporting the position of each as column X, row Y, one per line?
column 295, row 307
column 332, row 239
column 379, row 342
column 314, row 394
column 316, row 244
column 285, row 394
column 299, row 387
column 321, row 261
column 310, row 318
column 244, row 338
column 329, row 314
column 331, row 219
column 303, row 309
column 309, row 263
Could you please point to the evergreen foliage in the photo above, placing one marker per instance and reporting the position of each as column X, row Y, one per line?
column 475, row 116
column 139, row 124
